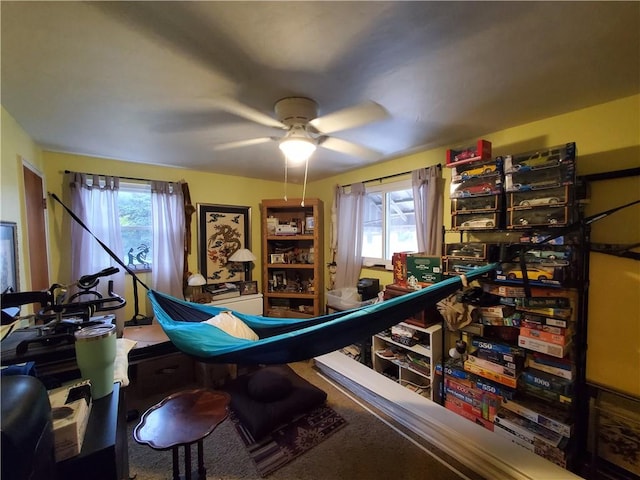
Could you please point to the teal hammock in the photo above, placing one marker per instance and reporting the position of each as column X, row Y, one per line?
column 285, row 340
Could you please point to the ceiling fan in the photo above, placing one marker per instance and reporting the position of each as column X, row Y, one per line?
column 304, row 129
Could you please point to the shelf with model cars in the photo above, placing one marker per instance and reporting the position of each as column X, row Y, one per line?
column 475, row 187
column 538, row 217
column 475, row 221
column 477, row 169
column 539, row 198
column 473, row 153
column 537, row 400
column 487, row 203
column 541, row 159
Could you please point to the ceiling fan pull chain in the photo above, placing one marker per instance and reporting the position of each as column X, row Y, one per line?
column 286, row 167
column 304, row 186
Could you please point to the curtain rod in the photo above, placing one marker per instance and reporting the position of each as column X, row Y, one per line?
column 120, row 176
column 386, row 177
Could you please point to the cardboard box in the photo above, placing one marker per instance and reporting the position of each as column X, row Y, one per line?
column 70, row 408
column 424, row 269
column 399, row 262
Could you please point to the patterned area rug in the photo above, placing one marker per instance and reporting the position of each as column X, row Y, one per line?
column 289, row 441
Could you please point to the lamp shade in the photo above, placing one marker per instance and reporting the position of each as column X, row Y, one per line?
column 196, row 280
column 242, row 255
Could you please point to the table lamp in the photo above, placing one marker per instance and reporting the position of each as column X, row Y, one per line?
column 195, row 281
column 245, row 256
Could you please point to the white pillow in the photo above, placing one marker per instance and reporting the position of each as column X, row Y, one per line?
column 229, row 323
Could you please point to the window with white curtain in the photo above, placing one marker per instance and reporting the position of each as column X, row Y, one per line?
column 134, row 204
column 389, row 222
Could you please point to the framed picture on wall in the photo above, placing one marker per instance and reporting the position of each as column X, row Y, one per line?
column 8, row 256
column 222, row 229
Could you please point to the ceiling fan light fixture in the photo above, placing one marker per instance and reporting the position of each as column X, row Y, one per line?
column 297, row 150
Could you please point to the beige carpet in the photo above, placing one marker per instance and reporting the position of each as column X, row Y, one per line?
column 367, row 448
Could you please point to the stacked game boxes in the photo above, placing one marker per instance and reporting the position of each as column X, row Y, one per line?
column 472, row 396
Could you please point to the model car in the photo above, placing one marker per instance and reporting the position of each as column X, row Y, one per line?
column 458, row 268
column 538, row 255
column 523, row 187
column 467, row 251
column 464, row 155
column 480, row 203
column 479, row 222
column 533, row 273
column 550, row 158
column 538, row 220
column 539, row 201
column 481, row 170
column 477, row 189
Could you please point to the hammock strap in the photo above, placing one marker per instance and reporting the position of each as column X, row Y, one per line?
column 106, row 249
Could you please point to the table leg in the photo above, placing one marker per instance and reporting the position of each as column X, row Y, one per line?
column 202, row 472
column 176, row 467
column 187, row 462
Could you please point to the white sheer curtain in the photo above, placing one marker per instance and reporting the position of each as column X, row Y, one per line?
column 428, row 191
column 94, row 200
column 167, row 207
column 349, row 235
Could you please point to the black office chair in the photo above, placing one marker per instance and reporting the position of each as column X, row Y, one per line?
column 27, row 429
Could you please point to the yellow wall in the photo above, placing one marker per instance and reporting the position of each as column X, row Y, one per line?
column 607, row 137
column 17, row 147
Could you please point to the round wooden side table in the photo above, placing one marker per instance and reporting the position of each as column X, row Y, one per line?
column 182, row 419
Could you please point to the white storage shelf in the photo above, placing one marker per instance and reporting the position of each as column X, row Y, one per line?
column 405, row 374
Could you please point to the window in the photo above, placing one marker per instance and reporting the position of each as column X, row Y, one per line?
column 389, row 223
column 134, row 203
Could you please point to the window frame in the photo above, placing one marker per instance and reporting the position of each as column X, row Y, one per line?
column 131, row 186
column 384, row 189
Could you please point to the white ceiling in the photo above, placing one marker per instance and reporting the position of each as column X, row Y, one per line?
column 136, row 80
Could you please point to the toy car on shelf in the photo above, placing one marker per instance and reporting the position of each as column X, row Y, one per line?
column 466, row 250
column 552, row 258
column 548, row 197
column 480, row 151
column 533, row 272
column 475, row 188
column 539, row 201
column 540, row 216
column 479, row 223
column 459, row 266
column 541, row 159
column 474, row 221
column 479, row 203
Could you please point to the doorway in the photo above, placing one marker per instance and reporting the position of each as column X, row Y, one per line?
column 36, row 204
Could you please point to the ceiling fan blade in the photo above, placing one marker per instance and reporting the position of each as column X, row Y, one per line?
column 240, row 109
column 353, row 149
column 367, row 112
column 242, row 143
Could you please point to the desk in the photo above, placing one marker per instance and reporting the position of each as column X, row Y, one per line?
column 104, row 454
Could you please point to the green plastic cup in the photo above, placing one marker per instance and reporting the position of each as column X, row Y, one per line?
column 96, row 354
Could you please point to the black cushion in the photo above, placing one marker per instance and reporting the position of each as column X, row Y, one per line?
column 262, row 417
column 269, row 385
